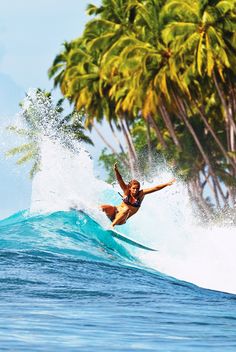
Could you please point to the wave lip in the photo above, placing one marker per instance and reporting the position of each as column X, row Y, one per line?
column 71, row 233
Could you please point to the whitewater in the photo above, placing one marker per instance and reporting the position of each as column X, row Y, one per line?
column 66, row 285
column 188, row 249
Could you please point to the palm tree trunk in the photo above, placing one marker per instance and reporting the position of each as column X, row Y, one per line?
column 210, row 129
column 232, row 106
column 110, row 147
column 212, row 187
column 184, row 117
column 116, row 138
column 232, row 128
column 130, row 138
column 216, row 194
column 157, row 131
column 228, row 118
column 132, row 158
column 198, row 199
column 149, row 142
column 168, row 123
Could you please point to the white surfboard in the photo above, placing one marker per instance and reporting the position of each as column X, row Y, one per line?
column 128, row 240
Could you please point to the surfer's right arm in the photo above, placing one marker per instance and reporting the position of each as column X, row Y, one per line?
column 119, row 178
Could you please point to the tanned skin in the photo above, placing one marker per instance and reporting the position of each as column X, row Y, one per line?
column 121, row 213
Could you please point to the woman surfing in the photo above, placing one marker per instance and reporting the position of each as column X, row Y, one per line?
column 131, row 200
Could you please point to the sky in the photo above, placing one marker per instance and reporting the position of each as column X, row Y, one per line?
column 31, row 35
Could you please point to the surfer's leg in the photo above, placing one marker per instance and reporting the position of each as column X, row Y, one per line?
column 121, row 218
column 109, row 210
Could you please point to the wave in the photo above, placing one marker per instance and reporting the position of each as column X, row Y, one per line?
column 188, row 249
column 75, row 234
column 199, row 253
column 71, row 233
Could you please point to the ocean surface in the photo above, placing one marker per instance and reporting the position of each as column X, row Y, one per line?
column 65, row 285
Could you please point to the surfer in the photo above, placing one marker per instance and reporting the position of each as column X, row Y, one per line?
column 131, row 200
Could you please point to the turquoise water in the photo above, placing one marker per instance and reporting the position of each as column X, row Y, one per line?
column 65, row 285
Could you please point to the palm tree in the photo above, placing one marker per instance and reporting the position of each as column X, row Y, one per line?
column 199, row 31
column 82, row 82
column 167, row 62
column 40, row 117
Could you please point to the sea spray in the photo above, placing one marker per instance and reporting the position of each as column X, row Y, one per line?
column 200, row 254
column 66, row 180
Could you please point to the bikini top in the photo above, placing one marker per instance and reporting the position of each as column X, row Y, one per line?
column 136, row 204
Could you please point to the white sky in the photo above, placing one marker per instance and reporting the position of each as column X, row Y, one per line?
column 31, row 35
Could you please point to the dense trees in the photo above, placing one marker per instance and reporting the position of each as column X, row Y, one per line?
column 163, row 73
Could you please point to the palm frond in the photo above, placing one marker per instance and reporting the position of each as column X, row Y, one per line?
column 25, row 158
column 93, row 10
column 225, row 6
column 175, row 29
column 19, row 131
column 181, row 9
column 20, row 149
column 35, row 169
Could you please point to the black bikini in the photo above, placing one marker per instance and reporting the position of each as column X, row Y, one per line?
column 136, row 204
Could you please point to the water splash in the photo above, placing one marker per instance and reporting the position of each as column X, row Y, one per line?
column 199, row 254
column 66, row 180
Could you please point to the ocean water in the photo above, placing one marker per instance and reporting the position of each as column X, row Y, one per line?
column 67, row 285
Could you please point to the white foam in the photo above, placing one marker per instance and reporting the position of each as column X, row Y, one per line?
column 188, row 251
column 197, row 254
column 66, row 180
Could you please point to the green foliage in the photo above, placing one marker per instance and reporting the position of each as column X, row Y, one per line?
column 171, row 60
column 107, row 160
column 41, row 118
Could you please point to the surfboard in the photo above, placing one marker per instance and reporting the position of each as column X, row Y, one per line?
column 119, row 235
column 128, row 240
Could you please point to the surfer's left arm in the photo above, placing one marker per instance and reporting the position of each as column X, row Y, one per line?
column 158, row 187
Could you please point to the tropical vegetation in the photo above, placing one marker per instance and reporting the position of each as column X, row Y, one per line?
column 162, row 73
column 40, row 118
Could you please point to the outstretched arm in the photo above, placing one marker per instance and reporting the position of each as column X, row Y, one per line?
column 119, row 178
column 158, row 187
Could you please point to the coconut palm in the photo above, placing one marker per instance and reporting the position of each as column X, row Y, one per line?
column 167, row 63
column 39, row 118
column 201, row 32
